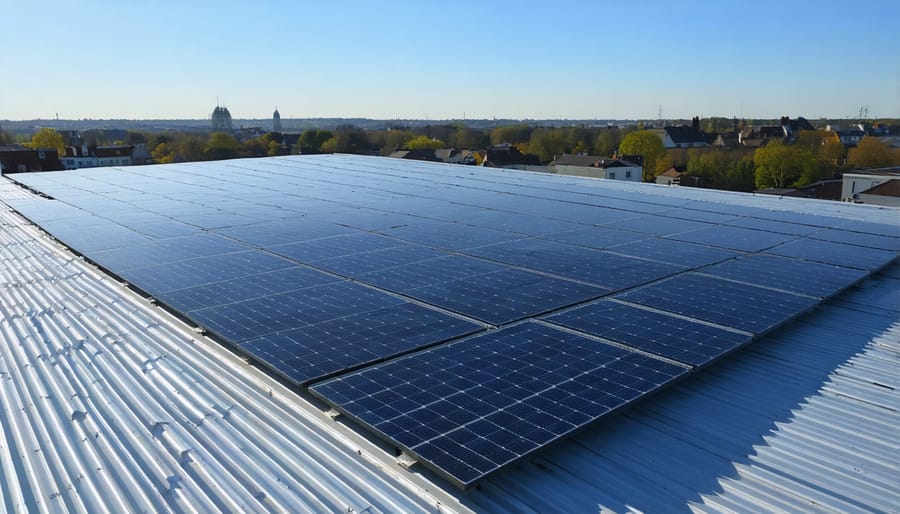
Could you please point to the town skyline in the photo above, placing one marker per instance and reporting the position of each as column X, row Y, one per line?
column 576, row 61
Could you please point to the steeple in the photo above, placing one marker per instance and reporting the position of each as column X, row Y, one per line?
column 276, row 121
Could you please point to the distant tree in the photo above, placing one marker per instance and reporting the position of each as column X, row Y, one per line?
column 190, row 148
column 163, row 154
column 511, row 134
column 547, row 143
column 872, row 152
column 6, row 138
column 347, row 139
column 221, row 146
column 646, row 144
column 135, row 138
column 780, row 165
column 739, row 175
column 832, row 153
column 48, row 138
column 425, row 142
column 311, row 140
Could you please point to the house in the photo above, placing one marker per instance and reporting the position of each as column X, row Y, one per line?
column 787, row 131
column 17, row 159
column 508, row 156
column 822, row 190
column 114, row 155
column 674, row 176
column 447, row 155
column 850, row 136
column 683, row 136
column 597, row 167
column 862, row 186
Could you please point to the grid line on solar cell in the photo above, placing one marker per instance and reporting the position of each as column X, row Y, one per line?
column 248, row 319
column 602, row 269
column 723, row 302
column 471, row 407
column 504, row 296
column 245, row 288
column 315, row 351
column 876, row 241
column 811, row 278
column 669, row 250
column 734, row 238
column 838, row 254
column 679, row 339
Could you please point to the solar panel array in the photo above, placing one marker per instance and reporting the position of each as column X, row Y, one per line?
column 468, row 316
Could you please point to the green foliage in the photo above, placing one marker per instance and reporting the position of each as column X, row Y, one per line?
column 347, row 139
column 311, row 140
column 425, row 142
column 871, row 152
column 221, row 146
column 48, row 138
column 646, row 144
column 779, row 165
column 163, row 154
column 512, row 134
column 548, row 143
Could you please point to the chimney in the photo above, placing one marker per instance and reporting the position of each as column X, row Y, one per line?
column 695, row 123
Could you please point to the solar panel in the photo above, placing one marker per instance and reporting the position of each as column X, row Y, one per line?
column 838, row 254
column 685, row 341
column 683, row 254
column 596, row 237
column 315, row 351
column 469, row 408
column 505, row 296
column 603, row 269
column 371, row 270
column 734, row 238
column 731, row 304
column 890, row 243
column 794, row 275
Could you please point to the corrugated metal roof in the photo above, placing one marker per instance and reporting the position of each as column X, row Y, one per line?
column 805, row 419
column 110, row 405
column 107, row 405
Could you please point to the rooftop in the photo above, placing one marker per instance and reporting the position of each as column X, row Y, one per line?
column 732, row 423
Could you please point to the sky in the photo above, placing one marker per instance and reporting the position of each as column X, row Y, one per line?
column 438, row 59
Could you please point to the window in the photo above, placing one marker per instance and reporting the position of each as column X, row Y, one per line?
column 627, row 174
column 612, row 174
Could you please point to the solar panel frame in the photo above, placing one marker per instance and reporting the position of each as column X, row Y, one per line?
column 436, row 404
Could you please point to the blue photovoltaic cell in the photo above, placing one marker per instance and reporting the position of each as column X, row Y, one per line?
column 734, row 238
column 741, row 306
column 245, row 288
column 358, row 264
column 204, row 270
column 838, row 254
column 469, row 408
column 261, row 316
column 596, row 237
column 781, row 227
column 860, row 239
column 315, row 351
column 285, row 231
column 811, row 278
column 450, row 236
column 687, row 255
column 165, row 251
column 424, row 273
column 660, row 226
column 505, row 296
column 686, row 341
column 337, row 246
column 603, row 269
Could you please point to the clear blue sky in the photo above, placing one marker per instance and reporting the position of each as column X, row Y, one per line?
column 448, row 59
